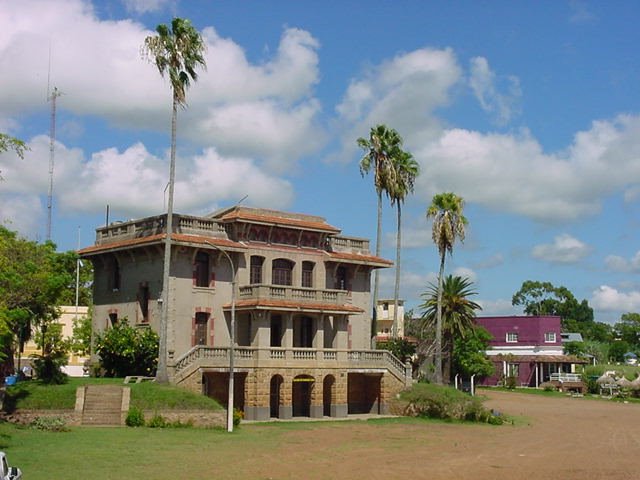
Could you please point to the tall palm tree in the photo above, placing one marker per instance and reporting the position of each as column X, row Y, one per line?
column 380, row 148
column 458, row 312
column 177, row 51
column 449, row 223
column 406, row 169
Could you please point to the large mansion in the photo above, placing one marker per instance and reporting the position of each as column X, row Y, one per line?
column 302, row 303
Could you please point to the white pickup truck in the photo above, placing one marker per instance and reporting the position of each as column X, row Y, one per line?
column 7, row 472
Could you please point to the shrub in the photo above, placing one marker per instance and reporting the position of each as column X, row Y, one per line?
column 126, row 350
column 437, row 401
column 157, row 421
column 135, row 417
column 50, row 424
column 238, row 415
column 510, row 382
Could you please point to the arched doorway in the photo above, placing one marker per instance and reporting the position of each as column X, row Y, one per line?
column 302, row 389
column 275, row 392
column 327, row 394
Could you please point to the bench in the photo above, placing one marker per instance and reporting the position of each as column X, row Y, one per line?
column 138, row 379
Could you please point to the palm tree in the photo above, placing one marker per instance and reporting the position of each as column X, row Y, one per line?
column 380, row 148
column 406, row 169
column 448, row 225
column 178, row 51
column 458, row 312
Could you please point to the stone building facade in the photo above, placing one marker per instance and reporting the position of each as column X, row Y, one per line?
column 302, row 297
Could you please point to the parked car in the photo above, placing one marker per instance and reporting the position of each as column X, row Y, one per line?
column 7, row 472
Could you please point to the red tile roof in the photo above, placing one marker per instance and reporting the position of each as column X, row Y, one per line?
column 272, row 219
column 178, row 238
column 360, row 258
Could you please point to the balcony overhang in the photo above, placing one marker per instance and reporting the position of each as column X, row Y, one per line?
column 293, row 306
column 179, row 239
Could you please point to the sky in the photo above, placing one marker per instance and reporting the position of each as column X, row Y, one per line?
column 530, row 111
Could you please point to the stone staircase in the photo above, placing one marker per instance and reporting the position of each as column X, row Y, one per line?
column 102, row 405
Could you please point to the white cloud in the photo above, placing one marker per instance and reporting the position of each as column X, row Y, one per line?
column 485, row 85
column 621, row 264
column 464, row 272
column 607, row 298
column 490, row 262
column 132, row 182
column 489, row 168
column 580, row 13
column 564, row 249
column 22, row 213
column 146, row 6
column 508, row 172
column 97, row 65
column 497, row 308
column 402, row 93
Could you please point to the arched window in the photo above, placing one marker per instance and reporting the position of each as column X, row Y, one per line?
column 281, row 272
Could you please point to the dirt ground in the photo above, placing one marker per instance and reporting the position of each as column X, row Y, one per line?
column 554, row 438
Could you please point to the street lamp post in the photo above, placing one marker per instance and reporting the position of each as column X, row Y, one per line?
column 232, row 340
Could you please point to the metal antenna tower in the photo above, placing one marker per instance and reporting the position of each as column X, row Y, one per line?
column 52, row 140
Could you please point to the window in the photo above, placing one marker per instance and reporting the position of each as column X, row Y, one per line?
column 256, row 270
column 202, row 270
column 550, row 337
column 513, row 370
column 385, row 307
column 307, row 274
column 201, row 328
column 281, row 274
column 113, row 318
column 143, row 301
column 512, row 337
column 341, row 278
column 114, row 274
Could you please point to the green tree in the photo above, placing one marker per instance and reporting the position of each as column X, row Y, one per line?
column 617, row 349
column 382, row 146
column 469, row 357
column 32, row 282
column 48, row 365
column 177, row 51
column 457, row 312
column 82, row 334
column 406, row 169
column 7, row 142
column 126, row 350
column 543, row 298
column 449, row 223
column 628, row 329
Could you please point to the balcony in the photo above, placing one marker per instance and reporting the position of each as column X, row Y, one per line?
column 293, row 294
column 146, row 227
column 274, row 357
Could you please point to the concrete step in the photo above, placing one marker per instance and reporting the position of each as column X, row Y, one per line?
column 102, row 405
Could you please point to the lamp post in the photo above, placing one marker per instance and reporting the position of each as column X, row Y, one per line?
column 232, row 335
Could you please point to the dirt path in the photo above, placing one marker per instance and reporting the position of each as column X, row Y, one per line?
column 561, row 438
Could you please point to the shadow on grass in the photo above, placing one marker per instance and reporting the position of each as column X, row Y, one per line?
column 12, row 396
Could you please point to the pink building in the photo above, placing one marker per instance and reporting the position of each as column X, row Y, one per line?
column 528, row 348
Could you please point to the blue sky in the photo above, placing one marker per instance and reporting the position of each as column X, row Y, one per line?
column 528, row 110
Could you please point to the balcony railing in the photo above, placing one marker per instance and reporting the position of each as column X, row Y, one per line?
column 119, row 231
column 349, row 244
column 254, row 357
column 296, row 294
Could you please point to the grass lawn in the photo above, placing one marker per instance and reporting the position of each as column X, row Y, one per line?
column 171, row 453
column 34, row 395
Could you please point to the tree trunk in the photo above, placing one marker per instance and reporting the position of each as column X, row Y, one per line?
column 374, row 318
column 396, row 293
column 162, row 375
column 438, row 379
